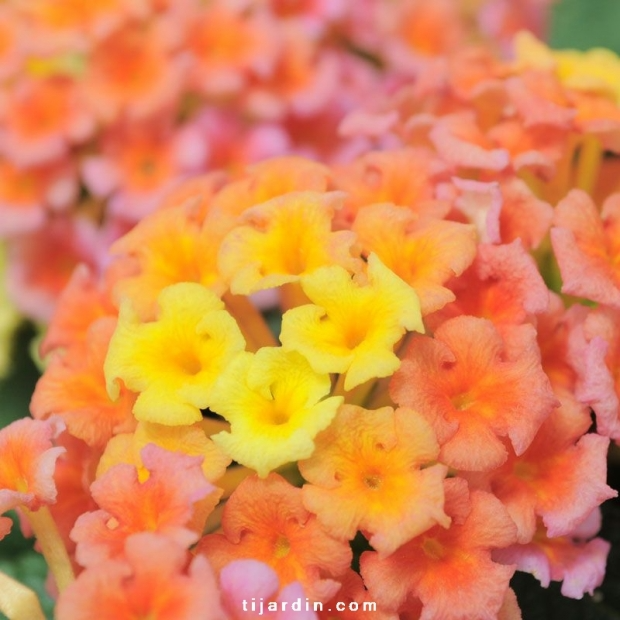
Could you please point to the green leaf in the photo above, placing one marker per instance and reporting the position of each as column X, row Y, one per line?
column 583, row 24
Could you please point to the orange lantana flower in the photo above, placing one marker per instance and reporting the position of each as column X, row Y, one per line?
column 163, row 503
column 450, row 571
column 368, row 472
column 74, row 387
column 476, row 386
column 27, row 463
column 152, row 579
column 266, row 520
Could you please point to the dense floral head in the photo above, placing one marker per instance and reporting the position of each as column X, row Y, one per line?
column 352, row 378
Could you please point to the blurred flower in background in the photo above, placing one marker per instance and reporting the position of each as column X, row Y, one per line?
column 106, row 107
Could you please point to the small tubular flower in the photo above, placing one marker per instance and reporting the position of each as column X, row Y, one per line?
column 586, row 245
column 503, row 284
column 41, row 119
column 275, row 404
column 368, row 472
column 152, row 579
column 191, row 440
column 596, row 357
column 475, row 386
column 264, row 519
column 74, row 388
column 403, row 177
column 283, row 239
column 163, row 503
column 353, row 323
column 268, row 179
column 83, row 300
column 352, row 598
column 450, row 571
column 27, row 464
column 577, row 559
column 169, row 246
column 173, row 361
column 425, row 253
column 27, row 469
column 130, row 71
column 560, row 478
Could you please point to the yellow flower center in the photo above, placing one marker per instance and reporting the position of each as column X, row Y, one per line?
column 282, row 547
column 433, row 548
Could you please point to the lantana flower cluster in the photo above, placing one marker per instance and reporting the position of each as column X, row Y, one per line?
column 369, row 380
column 106, row 106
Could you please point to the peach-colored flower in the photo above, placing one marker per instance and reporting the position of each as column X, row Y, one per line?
column 586, row 245
column 372, row 471
column 269, row 179
column 596, row 357
column 26, row 194
column 502, row 285
column 42, row 119
column 27, row 464
column 404, row 177
column 353, row 591
column 421, row 29
column 475, row 385
column 302, row 80
column 74, row 388
column 577, row 559
column 265, row 520
column 40, row 263
column 559, row 478
column 163, row 503
column 424, row 252
column 152, row 579
column 451, row 571
column 83, row 300
column 228, row 46
column 460, row 142
column 132, row 71
column 138, row 164
column 73, row 475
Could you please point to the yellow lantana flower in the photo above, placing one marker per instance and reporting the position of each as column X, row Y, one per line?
column 280, row 240
column 173, row 361
column 595, row 70
column 191, row 440
column 354, row 322
column 275, row 404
